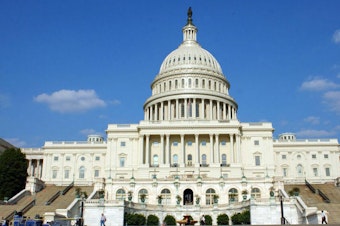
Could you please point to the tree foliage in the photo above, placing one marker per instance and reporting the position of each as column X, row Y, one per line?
column 170, row 220
column 152, row 220
column 222, row 219
column 13, row 172
column 241, row 218
column 208, row 220
column 134, row 219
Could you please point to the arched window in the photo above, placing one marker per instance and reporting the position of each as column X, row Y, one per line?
column 209, row 196
column 255, row 193
column 176, row 84
column 166, row 196
column 196, row 83
column 189, row 160
column 189, row 83
column 204, row 160
column 170, row 85
column 233, row 195
column 82, row 172
column 120, row 194
column 182, row 83
column 143, row 193
column 155, row 160
column 299, row 170
column 203, row 83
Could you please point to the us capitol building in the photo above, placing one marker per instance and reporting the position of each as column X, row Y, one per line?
column 190, row 149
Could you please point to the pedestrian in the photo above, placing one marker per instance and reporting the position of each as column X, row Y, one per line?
column 323, row 217
column 102, row 220
column 202, row 222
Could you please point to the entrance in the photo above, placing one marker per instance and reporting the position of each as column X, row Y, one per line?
column 188, row 197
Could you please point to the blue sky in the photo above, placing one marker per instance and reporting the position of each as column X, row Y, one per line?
column 69, row 68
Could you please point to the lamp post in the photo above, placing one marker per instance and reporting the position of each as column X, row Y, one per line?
column 81, row 219
column 282, row 215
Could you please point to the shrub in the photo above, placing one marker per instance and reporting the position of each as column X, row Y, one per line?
column 152, row 220
column 222, row 219
column 208, row 220
column 241, row 218
column 134, row 219
column 170, row 220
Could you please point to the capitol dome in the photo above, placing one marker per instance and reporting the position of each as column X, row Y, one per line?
column 190, row 85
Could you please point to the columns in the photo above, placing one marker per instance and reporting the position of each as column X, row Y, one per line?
column 218, row 110
column 169, row 111
column 156, row 112
column 161, row 157
column 183, row 150
column 229, row 112
column 217, row 149
column 211, row 148
column 29, row 168
column 167, row 149
column 185, row 108
column 224, row 111
column 177, row 110
column 140, row 155
column 238, row 152
column 231, row 148
column 211, row 110
column 197, row 161
column 161, row 114
column 194, row 108
column 147, row 150
column 202, row 109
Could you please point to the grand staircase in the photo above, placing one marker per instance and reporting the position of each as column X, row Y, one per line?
column 47, row 200
column 332, row 193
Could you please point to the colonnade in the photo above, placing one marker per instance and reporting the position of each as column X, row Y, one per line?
column 35, row 167
column 166, row 153
column 186, row 108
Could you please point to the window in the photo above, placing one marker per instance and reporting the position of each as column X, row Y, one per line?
column 122, row 161
column 299, row 170
column 284, row 172
column 256, row 142
column 141, row 193
column 223, row 143
column 67, row 174
column 209, row 196
column 313, row 156
column 224, row 159
column 97, row 158
column 155, row 144
column 328, row 172
column 120, row 195
column 96, row 173
column 68, row 158
column 166, row 196
column 298, row 156
column 55, row 158
column 325, row 156
column 155, row 160
column 255, row 193
column 315, row 172
column 54, row 174
column 175, row 143
column 122, row 143
column 175, row 159
column 203, row 143
column 233, row 194
column 82, row 172
column 204, row 160
column 284, row 156
column 82, row 158
column 189, row 160
column 189, row 143
column 257, row 160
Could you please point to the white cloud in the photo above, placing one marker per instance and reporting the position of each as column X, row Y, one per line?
column 312, row 120
column 66, row 101
column 318, row 84
column 314, row 133
column 332, row 98
column 88, row 131
column 336, row 36
column 115, row 102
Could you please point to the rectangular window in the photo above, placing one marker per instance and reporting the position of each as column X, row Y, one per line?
column 203, row 143
column 122, row 144
column 189, row 143
column 54, row 174
column 285, row 172
column 97, row 158
column 122, row 162
column 68, row 158
column 55, row 158
column 67, row 174
column 223, row 143
column 155, row 144
column 313, row 156
column 315, row 172
column 256, row 142
column 325, row 156
column 257, row 161
column 328, row 172
column 175, row 144
column 96, row 173
column 284, row 156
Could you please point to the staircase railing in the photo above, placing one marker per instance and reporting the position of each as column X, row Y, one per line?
column 54, row 197
column 324, row 197
column 310, row 186
column 63, row 192
column 23, row 210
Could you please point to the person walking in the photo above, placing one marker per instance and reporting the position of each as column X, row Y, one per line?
column 102, row 220
column 323, row 217
column 202, row 222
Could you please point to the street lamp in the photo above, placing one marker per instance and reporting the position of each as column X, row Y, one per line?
column 81, row 219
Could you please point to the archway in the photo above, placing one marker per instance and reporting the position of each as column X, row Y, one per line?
column 188, row 197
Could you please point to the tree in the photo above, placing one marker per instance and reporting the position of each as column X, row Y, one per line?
column 170, row 220
column 152, row 220
column 208, row 220
column 241, row 218
column 222, row 219
column 13, row 172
